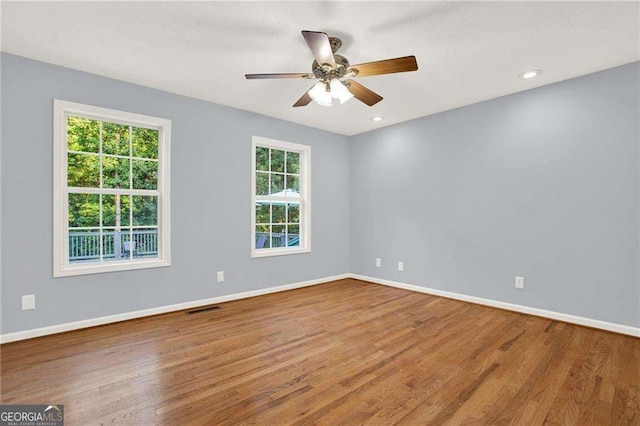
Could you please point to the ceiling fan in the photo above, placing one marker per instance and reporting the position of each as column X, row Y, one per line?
column 334, row 73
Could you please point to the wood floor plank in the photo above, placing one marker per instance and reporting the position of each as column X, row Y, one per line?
column 345, row 352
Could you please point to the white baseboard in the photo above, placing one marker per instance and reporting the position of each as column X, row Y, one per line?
column 588, row 322
column 60, row 328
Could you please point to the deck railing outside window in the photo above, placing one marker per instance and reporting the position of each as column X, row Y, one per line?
column 84, row 246
column 277, row 240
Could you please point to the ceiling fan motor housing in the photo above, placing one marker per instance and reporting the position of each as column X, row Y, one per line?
column 327, row 72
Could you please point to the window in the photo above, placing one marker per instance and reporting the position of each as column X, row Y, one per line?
column 111, row 190
column 281, row 200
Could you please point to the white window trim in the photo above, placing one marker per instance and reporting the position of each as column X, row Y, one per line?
column 305, row 197
column 61, row 266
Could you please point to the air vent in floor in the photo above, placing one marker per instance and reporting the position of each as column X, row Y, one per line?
column 203, row 309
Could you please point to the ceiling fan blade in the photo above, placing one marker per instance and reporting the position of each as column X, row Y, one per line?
column 320, row 47
column 387, row 66
column 304, row 100
column 280, row 75
column 363, row 94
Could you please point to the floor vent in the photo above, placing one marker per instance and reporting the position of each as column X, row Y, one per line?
column 203, row 309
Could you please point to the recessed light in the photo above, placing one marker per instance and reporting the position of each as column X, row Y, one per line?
column 526, row 75
column 377, row 118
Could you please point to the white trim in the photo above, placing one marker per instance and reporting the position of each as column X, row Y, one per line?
column 111, row 115
column 113, row 191
column 112, row 266
column 277, row 251
column 60, row 328
column 587, row 322
column 62, row 109
column 274, row 143
column 69, row 326
column 124, row 157
column 304, row 201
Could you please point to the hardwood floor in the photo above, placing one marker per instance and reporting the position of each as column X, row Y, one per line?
column 345, row 352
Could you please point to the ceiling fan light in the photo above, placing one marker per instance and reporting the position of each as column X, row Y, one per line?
column 326, row 102
column 320, row 94
column 340, row 91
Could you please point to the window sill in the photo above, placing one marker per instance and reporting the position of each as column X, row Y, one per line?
column 278, row 252
column 74, row 270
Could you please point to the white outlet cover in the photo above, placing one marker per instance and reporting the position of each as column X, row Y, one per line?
column 378, row 262
column 520, row 282
column 220, row 276
column 400, row 266
column 28, row 302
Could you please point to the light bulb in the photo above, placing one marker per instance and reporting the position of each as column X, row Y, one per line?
column 340, row 91
column 320, row 94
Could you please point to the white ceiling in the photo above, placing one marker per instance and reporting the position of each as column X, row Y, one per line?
column 467, row 51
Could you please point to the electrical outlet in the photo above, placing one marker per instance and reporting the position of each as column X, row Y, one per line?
column 28, row 302
column 520, row 283
column 400, row 266
column 220, row 276
column 378, row 262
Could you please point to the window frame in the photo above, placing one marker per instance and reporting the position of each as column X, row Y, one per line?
column 61, row 266
column 305, row 197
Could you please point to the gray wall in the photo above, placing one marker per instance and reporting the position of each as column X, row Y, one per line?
column 543, row 184
column 210, row 184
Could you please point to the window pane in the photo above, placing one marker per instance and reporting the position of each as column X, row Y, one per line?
column 293, row 186
column 101, row 174
column 262, row 183
column 145, row 174
column 84, row 210
column 116, row 210
column 293, row 213
column 83, row 171
column 115, row 243
column 84, row 245
column 278, row 236
column 145, row 143
column 115, row 172
column 279, row 213
column 293, row 162
column 263, row 214
column 144, row 243
column 83, row 134
column 278, row 198
column 277, row 161
column 262, row 158
column 262, row 236
column 115, row 138
column 145, row 210
column 277, row 183
column 293, row 235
